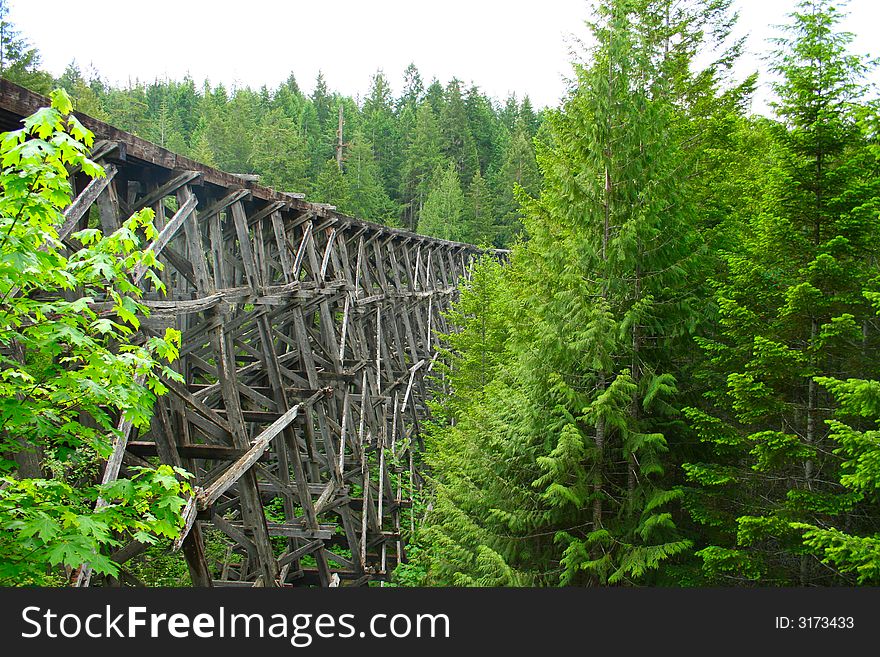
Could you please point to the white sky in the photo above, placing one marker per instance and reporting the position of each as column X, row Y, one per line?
column 503, row 46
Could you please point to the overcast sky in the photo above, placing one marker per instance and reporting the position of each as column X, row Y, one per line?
column 504, row 46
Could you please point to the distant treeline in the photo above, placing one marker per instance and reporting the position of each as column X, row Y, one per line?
column 440, row 159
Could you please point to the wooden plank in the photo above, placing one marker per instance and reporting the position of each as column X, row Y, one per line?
column 201, row 407
column 169, row 188
column 239, row 219
column 230, row 198
column 283, row 246
column 194, row 451
column 300, row 552
column 84, row 201
column 168, row 232
column 293, row 531
column 235, row 471
column 265, row 211
column 301, row 252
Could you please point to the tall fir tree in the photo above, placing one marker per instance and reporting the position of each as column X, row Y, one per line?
column 413, row 87
column 519, row 169
column 480, row 211
column 331, row 186
column 367, row 198
column 380, row 127
column 280, row 153
column 458, row 142
column 443, row 214
column 19, row 62
column 422, row 156
column 562, row 479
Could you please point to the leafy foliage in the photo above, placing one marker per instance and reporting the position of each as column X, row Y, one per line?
column 72, row 364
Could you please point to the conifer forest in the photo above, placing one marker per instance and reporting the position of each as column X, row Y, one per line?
column 663, row 370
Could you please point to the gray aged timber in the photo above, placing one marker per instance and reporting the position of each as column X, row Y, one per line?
column 307, row 336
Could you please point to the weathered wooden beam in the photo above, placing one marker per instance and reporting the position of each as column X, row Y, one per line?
column 235, row 471
column 168, row 232
column 195, row 451
column 168, row 189
column 81, row 204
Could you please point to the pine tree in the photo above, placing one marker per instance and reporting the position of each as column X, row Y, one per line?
column 479, row 211
column 463, row 543
column 566, row 444
column 127, row 109
column 509, row 113
column 289, row 99
column 434, row 96
column 853, row 549
column 527, row 117
column 792, row 314
column 443, row 214
column 201, row 149
column 413, row 88
column 380, row 128
column 458, row 142
column 331, row 186
column 279, row 153
column 185, row 101
column 19, row 62
column 85, row 98
column 321, row 100
column 484, row 127
column 421, row 158
column 519, row 169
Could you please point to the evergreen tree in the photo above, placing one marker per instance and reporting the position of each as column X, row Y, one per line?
column 519, row 169
column 792, row 314
column 479, row 211
column 443, row 213
column 184, row 101
column 127, row 109
column 575, row 422
column 366, row 197
column 853, row 549
column 380, row 128
column 458, row 142
column 331, row 186
column 509, row 113
column 434, row 96
column 474, row 480
column 527, row 117
column 485, row 128
column 321, row 100
column 422, row 156
column 84, row 97
column 19, row 62
column 413, row 88
column 201, row 149
column 289, row 98
column 279, row 153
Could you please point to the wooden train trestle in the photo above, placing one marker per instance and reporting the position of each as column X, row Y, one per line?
column 306, row 338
